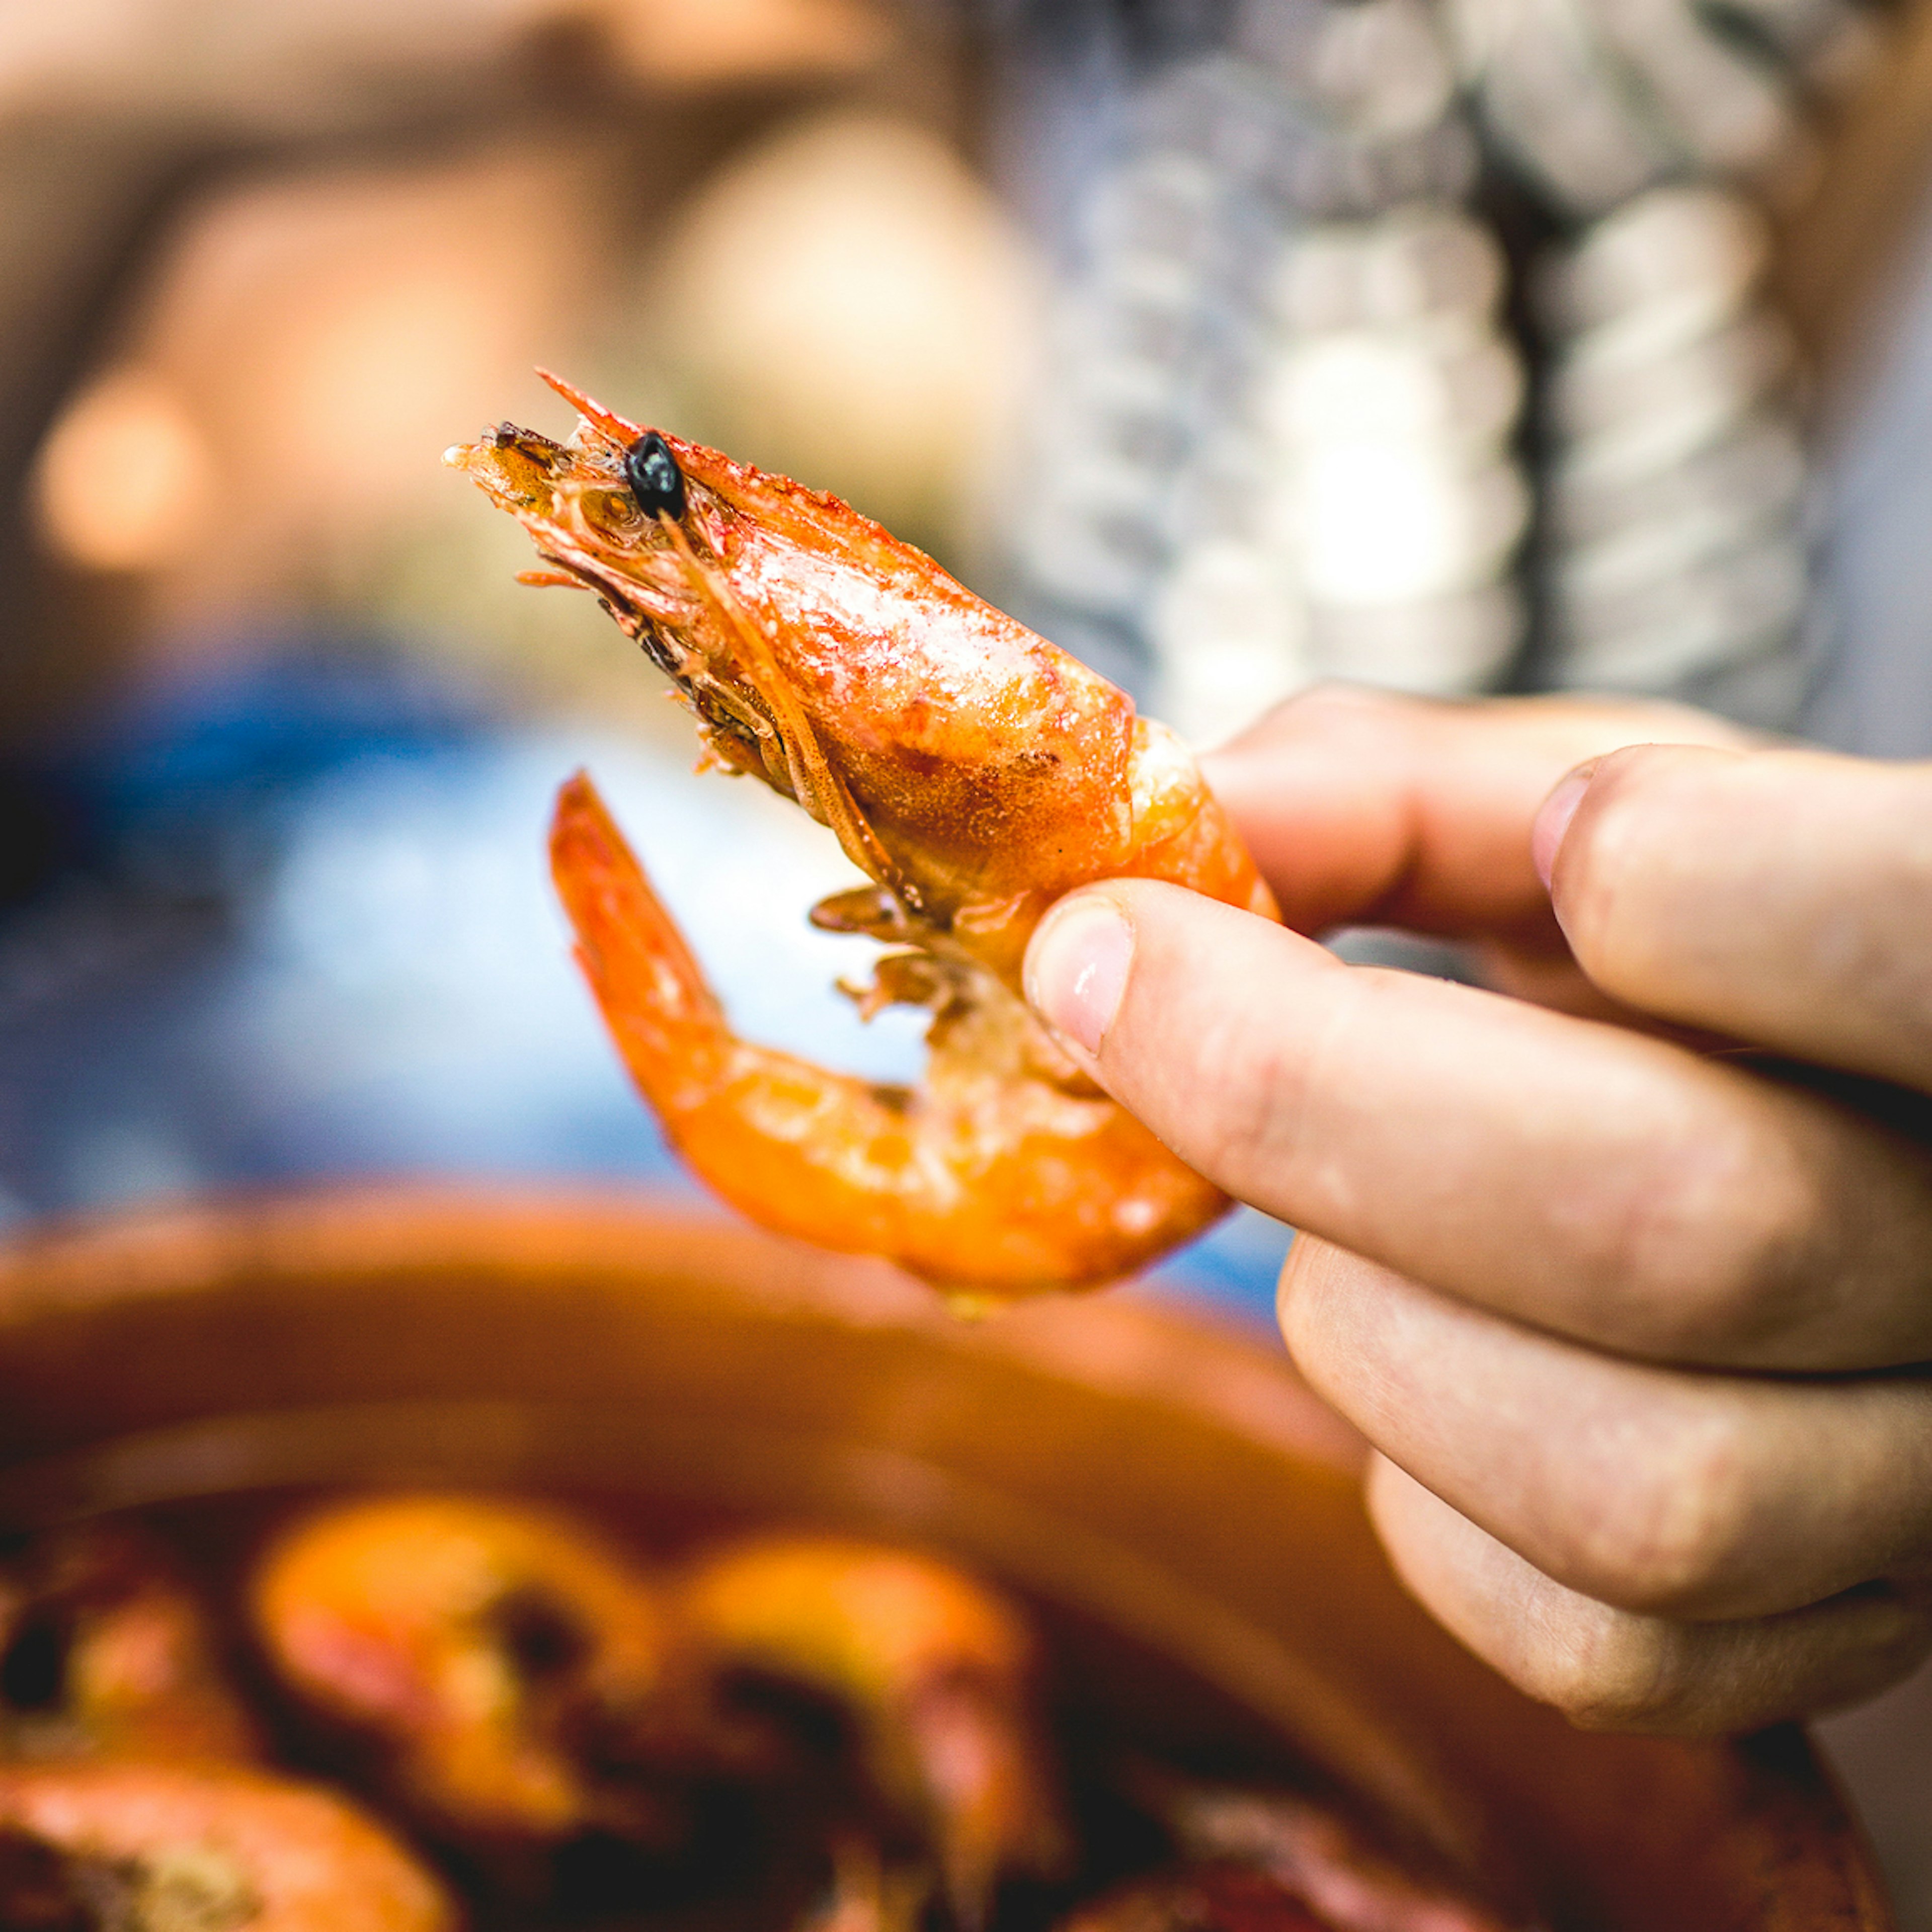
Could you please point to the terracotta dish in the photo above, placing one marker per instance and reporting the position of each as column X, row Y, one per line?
column 1172, row 1489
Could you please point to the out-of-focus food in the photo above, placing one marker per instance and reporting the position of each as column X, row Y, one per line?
column 139, row 1847
column 1310, row 1853
column 973, row 773
column 847, row 302
column 498, row 1655
column 937, row 1672
column 1219, row 1896
column 776, row 1729
column 105, row 1651
column 866, row 1894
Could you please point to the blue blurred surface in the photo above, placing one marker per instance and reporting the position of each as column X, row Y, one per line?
column 303, row 928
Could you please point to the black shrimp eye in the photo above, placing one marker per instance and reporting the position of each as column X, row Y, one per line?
column 655, row 478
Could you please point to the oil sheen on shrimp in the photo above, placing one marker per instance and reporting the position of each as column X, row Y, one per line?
column 148, row 1847
column 972, row 771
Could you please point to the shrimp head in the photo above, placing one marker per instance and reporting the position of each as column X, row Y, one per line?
column 494, row 1653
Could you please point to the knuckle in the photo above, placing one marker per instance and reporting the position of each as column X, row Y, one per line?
column 1332, row 701
column 1253, row 1086
column 1711, row 1241
column 1270, row 1084
column 1604, row 1669
column 1314, row 1307
column 1329, row 713
column 1674, row 1518
column 1626, row 847
column 1239, row 1064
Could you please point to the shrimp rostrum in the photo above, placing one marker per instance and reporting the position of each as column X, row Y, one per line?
column 973, row 773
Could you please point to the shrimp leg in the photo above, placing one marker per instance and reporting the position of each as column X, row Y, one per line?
column 997, row 1175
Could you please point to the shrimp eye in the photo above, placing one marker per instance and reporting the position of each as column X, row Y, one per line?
column 540, row 1637
column 655, row 478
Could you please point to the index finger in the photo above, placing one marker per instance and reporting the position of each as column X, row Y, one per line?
column 1365, row 808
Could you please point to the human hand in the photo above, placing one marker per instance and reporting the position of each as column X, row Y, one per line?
column 1629, row 1319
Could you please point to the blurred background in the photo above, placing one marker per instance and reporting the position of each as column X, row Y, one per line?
column 1448, row 345
column 1451, row 345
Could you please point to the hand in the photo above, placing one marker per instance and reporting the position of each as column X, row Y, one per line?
column 1628, row 1318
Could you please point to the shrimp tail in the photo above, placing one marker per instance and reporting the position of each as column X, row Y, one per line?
column 991, row 1178
column 660, row 1009
column 768, row 1131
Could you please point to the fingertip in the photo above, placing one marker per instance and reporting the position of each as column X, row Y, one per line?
column 1077, row 965
column 1553, row 818
column 1298, row 1299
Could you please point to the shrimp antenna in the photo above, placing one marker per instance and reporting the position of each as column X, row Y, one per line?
column 620, row 431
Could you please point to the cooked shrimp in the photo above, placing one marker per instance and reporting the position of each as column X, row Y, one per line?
column 494, row 1652
column 105, row 1651
column 972, row 771
column 936, row 1671
column 866, row 1894
column 137, row 1847
column 1214, row 1897
column 1312, row 1853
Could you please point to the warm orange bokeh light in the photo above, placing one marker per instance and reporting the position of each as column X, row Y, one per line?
column 125, row 482
column 306, row 350
column 856, row 309
column 690, row 43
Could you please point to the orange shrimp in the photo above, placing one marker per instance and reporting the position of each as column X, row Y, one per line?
column 1216, row 1896
column 150, row 1847
column 972, row 771
column 936, row 1670
column 1309, row 1853
column 493, row 1651
column 105, row 1651
column 866, row 1894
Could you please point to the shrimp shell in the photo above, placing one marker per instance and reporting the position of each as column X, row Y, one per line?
column 974, row 773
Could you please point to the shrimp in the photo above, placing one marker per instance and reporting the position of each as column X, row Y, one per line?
column 497, row 1654
column 1312, row 1852
column 151, row 1847
column 865, row 1894
column 936, row 1671
column 1218, row 1896
column 973, row 773
column 104, row 1651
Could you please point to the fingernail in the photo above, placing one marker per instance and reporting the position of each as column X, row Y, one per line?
column 1077, row 967
column 1553, row 818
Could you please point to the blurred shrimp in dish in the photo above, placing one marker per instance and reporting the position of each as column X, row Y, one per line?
column 152, row 1847
column 105, row 1652
column 935, row 1672
column 496, row 1656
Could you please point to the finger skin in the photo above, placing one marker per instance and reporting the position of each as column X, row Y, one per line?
column 1783, row 898
column 1701, row 1496
column 1365, row 807
column 1612, row 1187
column 1614, row 1670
